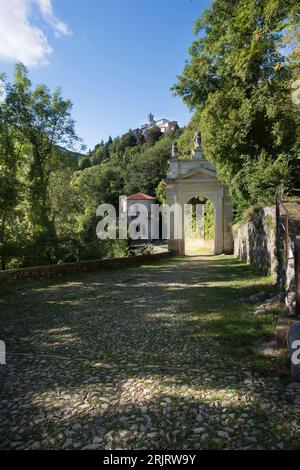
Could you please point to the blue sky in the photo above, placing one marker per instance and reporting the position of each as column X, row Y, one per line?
column 115, row 59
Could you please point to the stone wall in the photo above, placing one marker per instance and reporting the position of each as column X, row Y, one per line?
column 41, row 272
column 255, row 240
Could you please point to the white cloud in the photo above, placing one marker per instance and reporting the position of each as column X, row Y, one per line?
column 60, row 28
column 22, row 41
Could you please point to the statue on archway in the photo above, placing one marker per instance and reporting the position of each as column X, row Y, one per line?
column 197, row 141
column 174, row 150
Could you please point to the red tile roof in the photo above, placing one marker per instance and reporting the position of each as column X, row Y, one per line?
column 139, row 197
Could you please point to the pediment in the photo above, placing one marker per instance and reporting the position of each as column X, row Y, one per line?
column 191, row 169
column 199, row 174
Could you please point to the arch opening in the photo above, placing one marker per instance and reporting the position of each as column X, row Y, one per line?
column 199, row 227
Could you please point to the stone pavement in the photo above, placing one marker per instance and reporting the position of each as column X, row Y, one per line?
column 152, row 357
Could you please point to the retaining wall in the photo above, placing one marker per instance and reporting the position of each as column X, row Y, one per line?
column 41, row 272
column 255, row 240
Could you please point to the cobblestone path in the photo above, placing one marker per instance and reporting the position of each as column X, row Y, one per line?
column 152, row 357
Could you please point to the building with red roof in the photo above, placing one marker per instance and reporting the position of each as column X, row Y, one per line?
column 140, row 197
column 133, row 202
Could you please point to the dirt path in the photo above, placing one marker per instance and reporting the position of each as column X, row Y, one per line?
column 154, row 357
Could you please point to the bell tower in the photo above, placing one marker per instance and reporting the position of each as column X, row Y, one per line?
column 150, row 119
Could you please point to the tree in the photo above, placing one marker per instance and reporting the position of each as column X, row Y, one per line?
column 9, row 197
column 153, row 135
column 161, row 192
column 94, row 186
column 147, row 169
column 239, row 83
column 84, row 162
column 106, row 152
column 127, row 140
column 10, row 187
column 35, row 126
column 44, row 120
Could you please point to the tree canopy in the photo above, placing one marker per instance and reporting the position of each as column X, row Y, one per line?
column 238, row 81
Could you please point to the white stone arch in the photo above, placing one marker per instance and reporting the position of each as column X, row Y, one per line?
column 193, row 178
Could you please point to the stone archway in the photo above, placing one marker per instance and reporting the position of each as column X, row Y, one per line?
column 197, row 177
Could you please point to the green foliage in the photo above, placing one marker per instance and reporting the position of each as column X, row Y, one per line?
column 10, row 186
column 256, row 184
column 83, row 163
column 35, row 124
column 96, row 249
column 161, row 192
column 94, row 186
column 239, row 83
column 209, row 232
column 43, row 120
column 153, row 135
column 48, row 194
column 269, row 223
column 64, row 202
column 249, row 213
column 138, row 167
column 148, row 168
column 127, row 140
column 185, row 140
column 208, row 216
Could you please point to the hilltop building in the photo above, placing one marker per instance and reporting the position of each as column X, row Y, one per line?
column 164, row 125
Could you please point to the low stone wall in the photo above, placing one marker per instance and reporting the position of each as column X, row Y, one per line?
column 255, row 241
column 41, row 272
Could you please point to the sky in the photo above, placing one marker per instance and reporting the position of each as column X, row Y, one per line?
column 116, row 60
